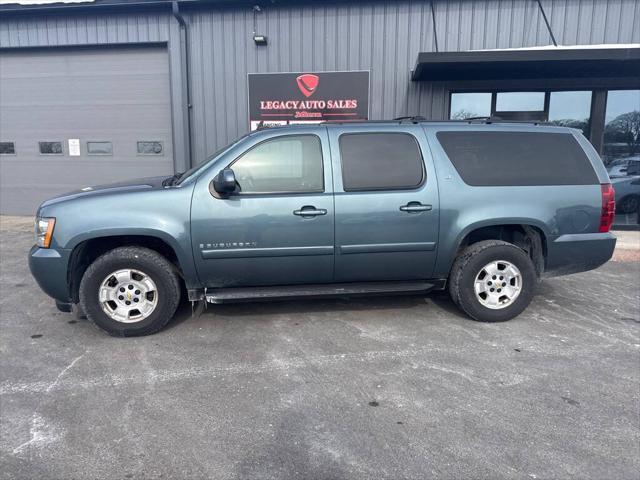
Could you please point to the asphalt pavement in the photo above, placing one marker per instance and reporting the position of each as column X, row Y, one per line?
column 387, row 387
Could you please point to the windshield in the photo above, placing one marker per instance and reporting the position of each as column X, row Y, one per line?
column 198, row 168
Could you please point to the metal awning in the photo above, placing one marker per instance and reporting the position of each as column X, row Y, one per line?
column 541, row 62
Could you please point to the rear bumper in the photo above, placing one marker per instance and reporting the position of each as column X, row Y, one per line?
column 578, row 253
column 49, row 267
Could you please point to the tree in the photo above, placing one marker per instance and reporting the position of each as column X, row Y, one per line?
column 625, row 128
column 572, row 123
column 463, row 114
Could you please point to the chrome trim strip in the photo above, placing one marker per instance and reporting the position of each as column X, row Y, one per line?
column 388, row 247
column 266, row 252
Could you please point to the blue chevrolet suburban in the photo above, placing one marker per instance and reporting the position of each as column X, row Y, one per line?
column 480, row 208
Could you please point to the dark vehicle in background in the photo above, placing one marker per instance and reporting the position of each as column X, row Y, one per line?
column 482, row 209
column 625, row 177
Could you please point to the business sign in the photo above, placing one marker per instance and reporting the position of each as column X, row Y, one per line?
column 307, row 97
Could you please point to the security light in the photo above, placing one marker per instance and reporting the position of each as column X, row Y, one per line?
column 260, row 39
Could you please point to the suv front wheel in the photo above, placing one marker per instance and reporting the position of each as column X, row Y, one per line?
column 492, row 281
column 130, row 291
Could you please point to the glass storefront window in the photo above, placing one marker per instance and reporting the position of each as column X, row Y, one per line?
column 571, row 109
column 520, row 102
column 469, row 105
column 622, row 127
column 621, row 152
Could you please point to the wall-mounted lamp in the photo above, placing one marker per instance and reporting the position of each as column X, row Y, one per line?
column 260, row 39
column 257, row 39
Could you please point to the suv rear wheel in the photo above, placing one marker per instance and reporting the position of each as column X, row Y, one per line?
column 130, row 291
column 492, row 281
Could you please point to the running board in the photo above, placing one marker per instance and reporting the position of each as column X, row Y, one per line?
column 222, row 295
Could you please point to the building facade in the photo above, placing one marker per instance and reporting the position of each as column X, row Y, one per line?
column 105, row 90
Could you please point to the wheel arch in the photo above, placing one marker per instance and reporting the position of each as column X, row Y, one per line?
column 530, row 236
column 87, row 250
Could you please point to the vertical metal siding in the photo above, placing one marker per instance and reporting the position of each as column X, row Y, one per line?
column 381, row 36
column 59, row 30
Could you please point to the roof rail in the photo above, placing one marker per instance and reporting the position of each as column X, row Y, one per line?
column 419, row 119
column 489, row 120
column 415, row 118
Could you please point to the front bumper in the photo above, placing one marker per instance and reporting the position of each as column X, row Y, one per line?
column 575, row 253
column 49, row 267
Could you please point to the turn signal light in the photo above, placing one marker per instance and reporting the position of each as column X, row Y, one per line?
column 44, row 231
column 608, row 207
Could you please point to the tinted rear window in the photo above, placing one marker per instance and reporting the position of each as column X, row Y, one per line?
column 517, row 158
column 380, row 161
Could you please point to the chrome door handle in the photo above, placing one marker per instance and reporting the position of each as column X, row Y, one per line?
column 413, row 207
column 310, row 211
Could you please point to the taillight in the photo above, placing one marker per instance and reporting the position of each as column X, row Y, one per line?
column 608, row 207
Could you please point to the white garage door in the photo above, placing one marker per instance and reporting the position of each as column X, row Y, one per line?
column 73, row 118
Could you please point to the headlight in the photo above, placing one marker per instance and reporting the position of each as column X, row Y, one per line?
column 44, row 231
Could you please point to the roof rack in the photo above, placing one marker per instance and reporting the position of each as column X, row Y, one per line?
column 416, row 119
column 489, row 120
column 419, row 119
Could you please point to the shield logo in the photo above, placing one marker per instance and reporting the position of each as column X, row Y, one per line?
column 307, row 83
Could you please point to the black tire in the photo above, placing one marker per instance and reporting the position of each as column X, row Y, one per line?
column 629, row 204
column 469, row 263
column 158, row 268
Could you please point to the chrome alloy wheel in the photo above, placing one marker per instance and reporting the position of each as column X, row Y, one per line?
column 128, row 296
column 498, row 284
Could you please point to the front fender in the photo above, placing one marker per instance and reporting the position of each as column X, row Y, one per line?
column 162, row 214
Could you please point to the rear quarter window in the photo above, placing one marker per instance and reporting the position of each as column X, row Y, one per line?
column 517, row 158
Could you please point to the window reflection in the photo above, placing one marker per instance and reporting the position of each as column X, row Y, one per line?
column 621, row 152
column 622, row 128
column 290, row 163
column 571, row 109
column 470, row 105
column 520, row 102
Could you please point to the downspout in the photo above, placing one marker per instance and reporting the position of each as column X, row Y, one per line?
column 185, row 76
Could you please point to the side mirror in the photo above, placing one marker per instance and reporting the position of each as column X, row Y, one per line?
column 225, row 182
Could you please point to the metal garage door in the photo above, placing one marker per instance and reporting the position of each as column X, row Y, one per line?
column 115, row 102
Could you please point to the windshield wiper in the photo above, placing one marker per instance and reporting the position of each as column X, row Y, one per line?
column 168, row 182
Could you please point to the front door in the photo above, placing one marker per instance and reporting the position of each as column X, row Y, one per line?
column 386, row 203
column 278, row 228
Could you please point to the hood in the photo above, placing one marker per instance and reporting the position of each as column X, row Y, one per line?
column 150, row 183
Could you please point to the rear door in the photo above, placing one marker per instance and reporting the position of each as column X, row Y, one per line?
column 386, row 203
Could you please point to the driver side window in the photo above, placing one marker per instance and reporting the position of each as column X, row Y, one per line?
column 287, row 164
